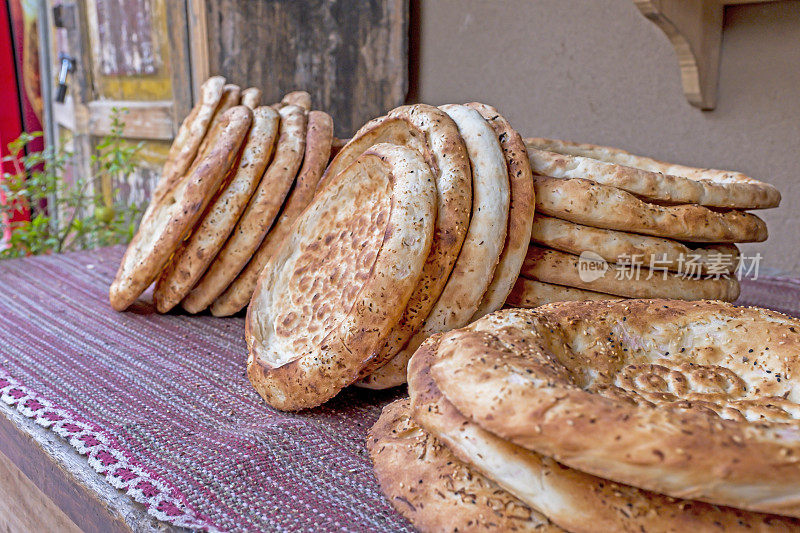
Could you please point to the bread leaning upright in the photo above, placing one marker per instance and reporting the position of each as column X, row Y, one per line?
column 327, row 300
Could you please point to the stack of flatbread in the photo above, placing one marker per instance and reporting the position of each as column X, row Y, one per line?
column 420, row 225
column 236, row 177
column 629, row 415
column 610, row 224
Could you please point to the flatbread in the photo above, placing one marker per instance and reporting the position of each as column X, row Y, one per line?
column 576, row 501
column 174, row 214
column 195, row 254
column 520, row 214
column 432, row 133
column 619, row 246
column 529, row 293
column 251, row 97
column 600, row 206
column 648, row 178
column 230, row 97
column 328, row 299
column 390, row 374
column 425, row 482
column 298, row 98
column 694, row 400
column 317, row 151
column 259, row 214
column 552, row 266
column 193, row 129
column 480, row 253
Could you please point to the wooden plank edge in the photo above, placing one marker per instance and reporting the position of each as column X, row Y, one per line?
column 23, row 507
column 66, row 477
column 198, row 45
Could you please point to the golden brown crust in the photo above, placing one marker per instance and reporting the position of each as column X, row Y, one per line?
column 317, row 152
column 172, row 216
column 195, row 254
column 230, row 98
column 476, row 263
column 298, row 98
column 552, row 266
column 251, row 97
column 428, row 485
column 619, row 246
column 529, row 293
column 576, row 501
column 193, row 129
column 648, row 178
column 259, row 214
column 694, row 400
column 520, row 214
column 601, row 206
column 328, row 299
column 480, row 253
column 432, row 133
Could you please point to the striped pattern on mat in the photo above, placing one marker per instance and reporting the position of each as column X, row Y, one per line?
column 161, row 407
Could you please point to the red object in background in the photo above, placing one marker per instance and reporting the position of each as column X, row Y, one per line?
column 25, row 39
column 10, row 108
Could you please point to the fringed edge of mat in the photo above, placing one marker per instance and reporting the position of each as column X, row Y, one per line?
column 105, row 456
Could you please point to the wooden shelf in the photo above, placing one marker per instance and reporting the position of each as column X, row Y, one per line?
column 694, row 27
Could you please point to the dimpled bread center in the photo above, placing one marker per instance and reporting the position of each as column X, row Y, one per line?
column 710, row 366
column 329, row 272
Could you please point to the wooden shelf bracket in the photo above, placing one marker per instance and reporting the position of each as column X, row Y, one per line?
column 695, row 30
column 694, row 27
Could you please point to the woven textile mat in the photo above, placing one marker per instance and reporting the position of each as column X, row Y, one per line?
column 160, row 405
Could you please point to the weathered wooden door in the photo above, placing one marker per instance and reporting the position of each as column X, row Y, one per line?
column 126, row 54
column 351, row 55
column 148, row 56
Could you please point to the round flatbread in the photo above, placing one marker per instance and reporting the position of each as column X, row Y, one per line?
column 195, row 254
column 425, row 482
column 693, row 400
column 520, row 213
column 317, row 152
column 251, row 97
column 328, row 299
column 298, row 98
column 632, row 281
column 600, row 206
column 230, row 97
column 193, row 129
column 619, row 247
column 648, row 178
column 387, row 375
column 173, row 215
column 476, row 263
column 259, row 214
column 529, row 293
column 576, row 501
column 432, row 133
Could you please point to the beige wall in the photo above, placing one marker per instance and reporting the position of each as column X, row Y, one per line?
column 598, row 71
